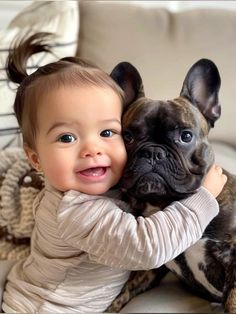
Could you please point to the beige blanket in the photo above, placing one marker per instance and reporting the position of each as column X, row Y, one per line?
column 19, row 184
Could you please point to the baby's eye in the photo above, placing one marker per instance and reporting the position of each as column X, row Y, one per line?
column 67, row 138
column 107, row 133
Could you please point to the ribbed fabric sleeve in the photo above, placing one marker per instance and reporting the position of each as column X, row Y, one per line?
column 117, row 239
column 83, row 248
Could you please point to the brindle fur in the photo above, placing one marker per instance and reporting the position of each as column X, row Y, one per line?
column 138, row 282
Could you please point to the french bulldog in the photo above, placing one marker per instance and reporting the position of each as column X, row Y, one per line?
column 168, row 157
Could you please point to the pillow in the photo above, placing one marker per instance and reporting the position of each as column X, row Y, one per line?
column 58, row 17
column 9, row 9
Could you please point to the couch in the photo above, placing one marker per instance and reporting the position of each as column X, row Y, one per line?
column 163, row 44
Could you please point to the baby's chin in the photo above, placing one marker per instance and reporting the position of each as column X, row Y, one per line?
column 94, row 190
column 97, row 188
column 90, row 190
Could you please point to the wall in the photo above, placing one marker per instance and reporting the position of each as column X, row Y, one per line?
column 8, row 9
column 183, row 5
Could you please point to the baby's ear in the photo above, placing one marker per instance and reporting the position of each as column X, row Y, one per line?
column 32, row 157
column 129, row 79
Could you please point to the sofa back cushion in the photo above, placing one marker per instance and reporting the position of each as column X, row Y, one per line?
column 163, row 45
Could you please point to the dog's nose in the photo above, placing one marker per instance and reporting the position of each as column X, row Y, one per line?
column 160, row 154
column 152, row 153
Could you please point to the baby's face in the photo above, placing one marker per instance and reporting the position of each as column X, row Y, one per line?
column 79, row 144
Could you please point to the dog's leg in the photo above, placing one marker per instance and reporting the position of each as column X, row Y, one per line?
column 139, row 281
column 229, row 291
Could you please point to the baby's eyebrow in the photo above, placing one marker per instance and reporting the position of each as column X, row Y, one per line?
column 57, row 125
column 69, row 124
column 112, row 120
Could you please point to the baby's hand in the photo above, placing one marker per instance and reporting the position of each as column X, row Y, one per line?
column 215, row 180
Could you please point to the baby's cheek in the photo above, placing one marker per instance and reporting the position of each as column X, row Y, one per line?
column 56, row 174
column 123, row 158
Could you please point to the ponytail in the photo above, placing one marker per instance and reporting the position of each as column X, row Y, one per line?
column 22, row 50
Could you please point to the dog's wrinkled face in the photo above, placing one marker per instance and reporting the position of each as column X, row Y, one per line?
column 166, row 141
column 167, row 147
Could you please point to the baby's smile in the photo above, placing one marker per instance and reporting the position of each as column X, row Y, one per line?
column 94, row 172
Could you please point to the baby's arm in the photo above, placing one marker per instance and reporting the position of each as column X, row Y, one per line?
column 115, row 238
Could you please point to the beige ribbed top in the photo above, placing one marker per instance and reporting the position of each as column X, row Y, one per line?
column 83, row 246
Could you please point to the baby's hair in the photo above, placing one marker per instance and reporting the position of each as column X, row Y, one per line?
column 68, row 71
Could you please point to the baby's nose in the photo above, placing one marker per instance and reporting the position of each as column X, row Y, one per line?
column 91, row 150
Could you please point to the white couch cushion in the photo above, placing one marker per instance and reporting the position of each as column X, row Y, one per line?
column 58, row 17
column 225, row 155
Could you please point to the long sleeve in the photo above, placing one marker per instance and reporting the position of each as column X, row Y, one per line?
column 117, row 239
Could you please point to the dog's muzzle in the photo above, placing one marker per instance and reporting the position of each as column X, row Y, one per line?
column 159, row 170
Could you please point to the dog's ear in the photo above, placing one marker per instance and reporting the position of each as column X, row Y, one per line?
column 201, row 87
column 129, row 79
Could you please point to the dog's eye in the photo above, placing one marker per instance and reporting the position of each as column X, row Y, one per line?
column 186, row 136
column 128, row 137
